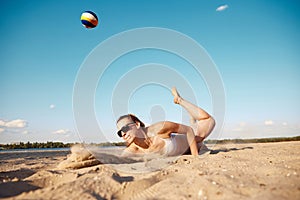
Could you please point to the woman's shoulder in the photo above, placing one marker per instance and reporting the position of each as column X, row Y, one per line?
column 133, row 148
column 156, row 126
column 131, row 151
column 162, row 127
column 161, row 124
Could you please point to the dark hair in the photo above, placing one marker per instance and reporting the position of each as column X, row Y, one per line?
column 133, row 118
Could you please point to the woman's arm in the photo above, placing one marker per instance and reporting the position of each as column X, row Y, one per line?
column 166, row 128
column 131, row 151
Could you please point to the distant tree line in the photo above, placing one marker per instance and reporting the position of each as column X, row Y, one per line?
column 109, row 144
column 255, row 140
column 39, row 145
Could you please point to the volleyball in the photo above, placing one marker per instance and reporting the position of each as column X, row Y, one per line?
column 89, row 19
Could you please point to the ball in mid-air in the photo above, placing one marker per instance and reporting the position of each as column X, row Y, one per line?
column 89, row 19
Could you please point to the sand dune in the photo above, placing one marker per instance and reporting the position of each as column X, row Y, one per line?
column 232, row 171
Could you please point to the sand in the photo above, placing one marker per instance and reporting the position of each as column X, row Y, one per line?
column 231, row 171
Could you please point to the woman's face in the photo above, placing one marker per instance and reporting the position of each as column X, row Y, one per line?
column 129, row 129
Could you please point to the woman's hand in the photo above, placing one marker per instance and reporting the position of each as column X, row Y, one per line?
column 166, row 128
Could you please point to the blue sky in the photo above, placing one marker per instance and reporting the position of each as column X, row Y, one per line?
column 254, row 44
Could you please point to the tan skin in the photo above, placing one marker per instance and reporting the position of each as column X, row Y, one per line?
column 139, row 141
column 201, row 122
column 149, row 139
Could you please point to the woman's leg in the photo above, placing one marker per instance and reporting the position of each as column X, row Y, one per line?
column 201, row 121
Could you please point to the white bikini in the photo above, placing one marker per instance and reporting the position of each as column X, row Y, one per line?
column 176, row 145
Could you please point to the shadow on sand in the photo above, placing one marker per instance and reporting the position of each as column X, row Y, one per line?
column 216, row 151
column 11, row 189
column 16, row 187
column 105, row 158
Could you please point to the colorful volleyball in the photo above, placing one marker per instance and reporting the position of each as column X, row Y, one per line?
column 89, row 19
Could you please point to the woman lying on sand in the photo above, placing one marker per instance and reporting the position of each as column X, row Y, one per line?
column 166, row 138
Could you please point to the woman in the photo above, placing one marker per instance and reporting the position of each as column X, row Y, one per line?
column 166, row 138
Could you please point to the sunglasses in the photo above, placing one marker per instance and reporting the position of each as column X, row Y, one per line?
column 124, row 129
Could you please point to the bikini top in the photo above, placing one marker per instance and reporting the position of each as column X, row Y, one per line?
column 176, row 145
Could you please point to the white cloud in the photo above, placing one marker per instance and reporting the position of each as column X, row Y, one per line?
column 17, row 123
column 239, row 129
column 2, row 130
column 269, row 122
column 267, row 128
column 52, row 106
column 222, row 8
column 61, row 131
column 242, row 124
column 284, row 124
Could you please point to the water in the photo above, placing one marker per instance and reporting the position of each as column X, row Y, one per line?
column 33, row 150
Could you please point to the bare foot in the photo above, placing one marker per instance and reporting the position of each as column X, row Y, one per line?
column 177, row 97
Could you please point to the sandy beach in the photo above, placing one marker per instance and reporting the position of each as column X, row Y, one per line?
column 227, row 171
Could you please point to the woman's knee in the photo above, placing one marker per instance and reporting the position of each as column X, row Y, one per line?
column 212, row 121
column 209, row 121
column 205, row 127
column 212, row 124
